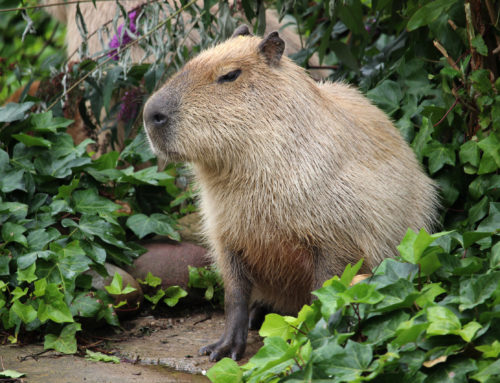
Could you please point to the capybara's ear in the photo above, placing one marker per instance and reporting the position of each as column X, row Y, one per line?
column 272, row 48
column 242, row 30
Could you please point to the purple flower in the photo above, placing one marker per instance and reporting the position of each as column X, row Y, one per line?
column 130, row 105
column 122, row 38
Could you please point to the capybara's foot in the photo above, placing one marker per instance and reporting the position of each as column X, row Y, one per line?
column 224, row 347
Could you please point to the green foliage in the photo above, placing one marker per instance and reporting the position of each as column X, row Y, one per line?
column 431, row 315
column 100, row 357
column 170, row 295
column 208, row 279
column 398, row 322
column 62, row 213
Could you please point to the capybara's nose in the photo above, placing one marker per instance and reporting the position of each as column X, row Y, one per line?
column 154, row 117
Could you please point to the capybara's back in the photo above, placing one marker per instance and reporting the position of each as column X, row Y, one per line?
column 297, row 179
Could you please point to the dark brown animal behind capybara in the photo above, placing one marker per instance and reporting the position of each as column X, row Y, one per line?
column 297, row 179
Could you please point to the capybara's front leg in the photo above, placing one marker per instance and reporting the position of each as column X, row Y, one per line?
column 236, row 299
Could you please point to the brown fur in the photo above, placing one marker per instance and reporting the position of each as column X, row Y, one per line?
column 297, row 179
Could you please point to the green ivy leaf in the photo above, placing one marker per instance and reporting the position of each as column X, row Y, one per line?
column 488, row 372
column 12, row 232
column 24, row 311
column 100, row 357
column 351, row 362
column 12, row 180
column 151, row 280
column 491, row 146
column 442, row 321
column 27, row 274
column 46, row 123
column 173, row 294
column 53, row 306
column 439, row 155
column 225, row 371
column 143, row 225
column 469, row 330
column 275, row 325
column 469, row 153
column 65, row 342
column 478, row 43
column 88, row 201
column 11, row 374
column 14, row 112
column 490, row 350
column 428, row 13
column 476, row 289
column 29, row 141
column 116, row 286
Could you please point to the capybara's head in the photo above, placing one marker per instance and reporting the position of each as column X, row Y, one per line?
column 222, row 101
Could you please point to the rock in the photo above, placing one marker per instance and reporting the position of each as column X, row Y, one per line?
column 133, row 299
column 169, row 262
column 189, row 228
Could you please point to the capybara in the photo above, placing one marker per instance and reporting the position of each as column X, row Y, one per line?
column 297, row 179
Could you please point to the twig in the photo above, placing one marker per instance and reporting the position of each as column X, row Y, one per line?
column 448, row 111
column 443, row 51
column 77, row 83
column 494, row 21
column 34, row 356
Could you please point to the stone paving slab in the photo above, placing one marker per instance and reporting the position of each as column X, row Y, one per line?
column 152, row 350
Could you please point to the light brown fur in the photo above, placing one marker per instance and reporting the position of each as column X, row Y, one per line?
column 296, row 179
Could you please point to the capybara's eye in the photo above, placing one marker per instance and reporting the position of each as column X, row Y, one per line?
column 230, row 76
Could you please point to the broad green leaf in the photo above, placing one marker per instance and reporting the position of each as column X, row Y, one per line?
column 469, row 330
column 85, row 305
column 492, row 222
column 12, row 180
column 45, row 122
column 351, row 362
column 469, row 153
column 439, row 155
column 26, row 312
column 27, row 274
column 116, row 286
column 478, row 43
column 65, row 342
column 428, row 13
column 442, row 321
column 12, row 232
column 89, row 201
column 429, row 293
column 491, row 146
column 173, row 294
column 275, row 325
column 53, row 306
column 64, row 191
column 151, row 280
column 11, row 374
column 489, row 372
column 143, row 225
column 350, row 272
column 476, row 289
column 225, row 371
column 409, row 332
column 29, row 141
column 490, row 350
column 387, row 95
column 413, row 245
column 14, row 112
